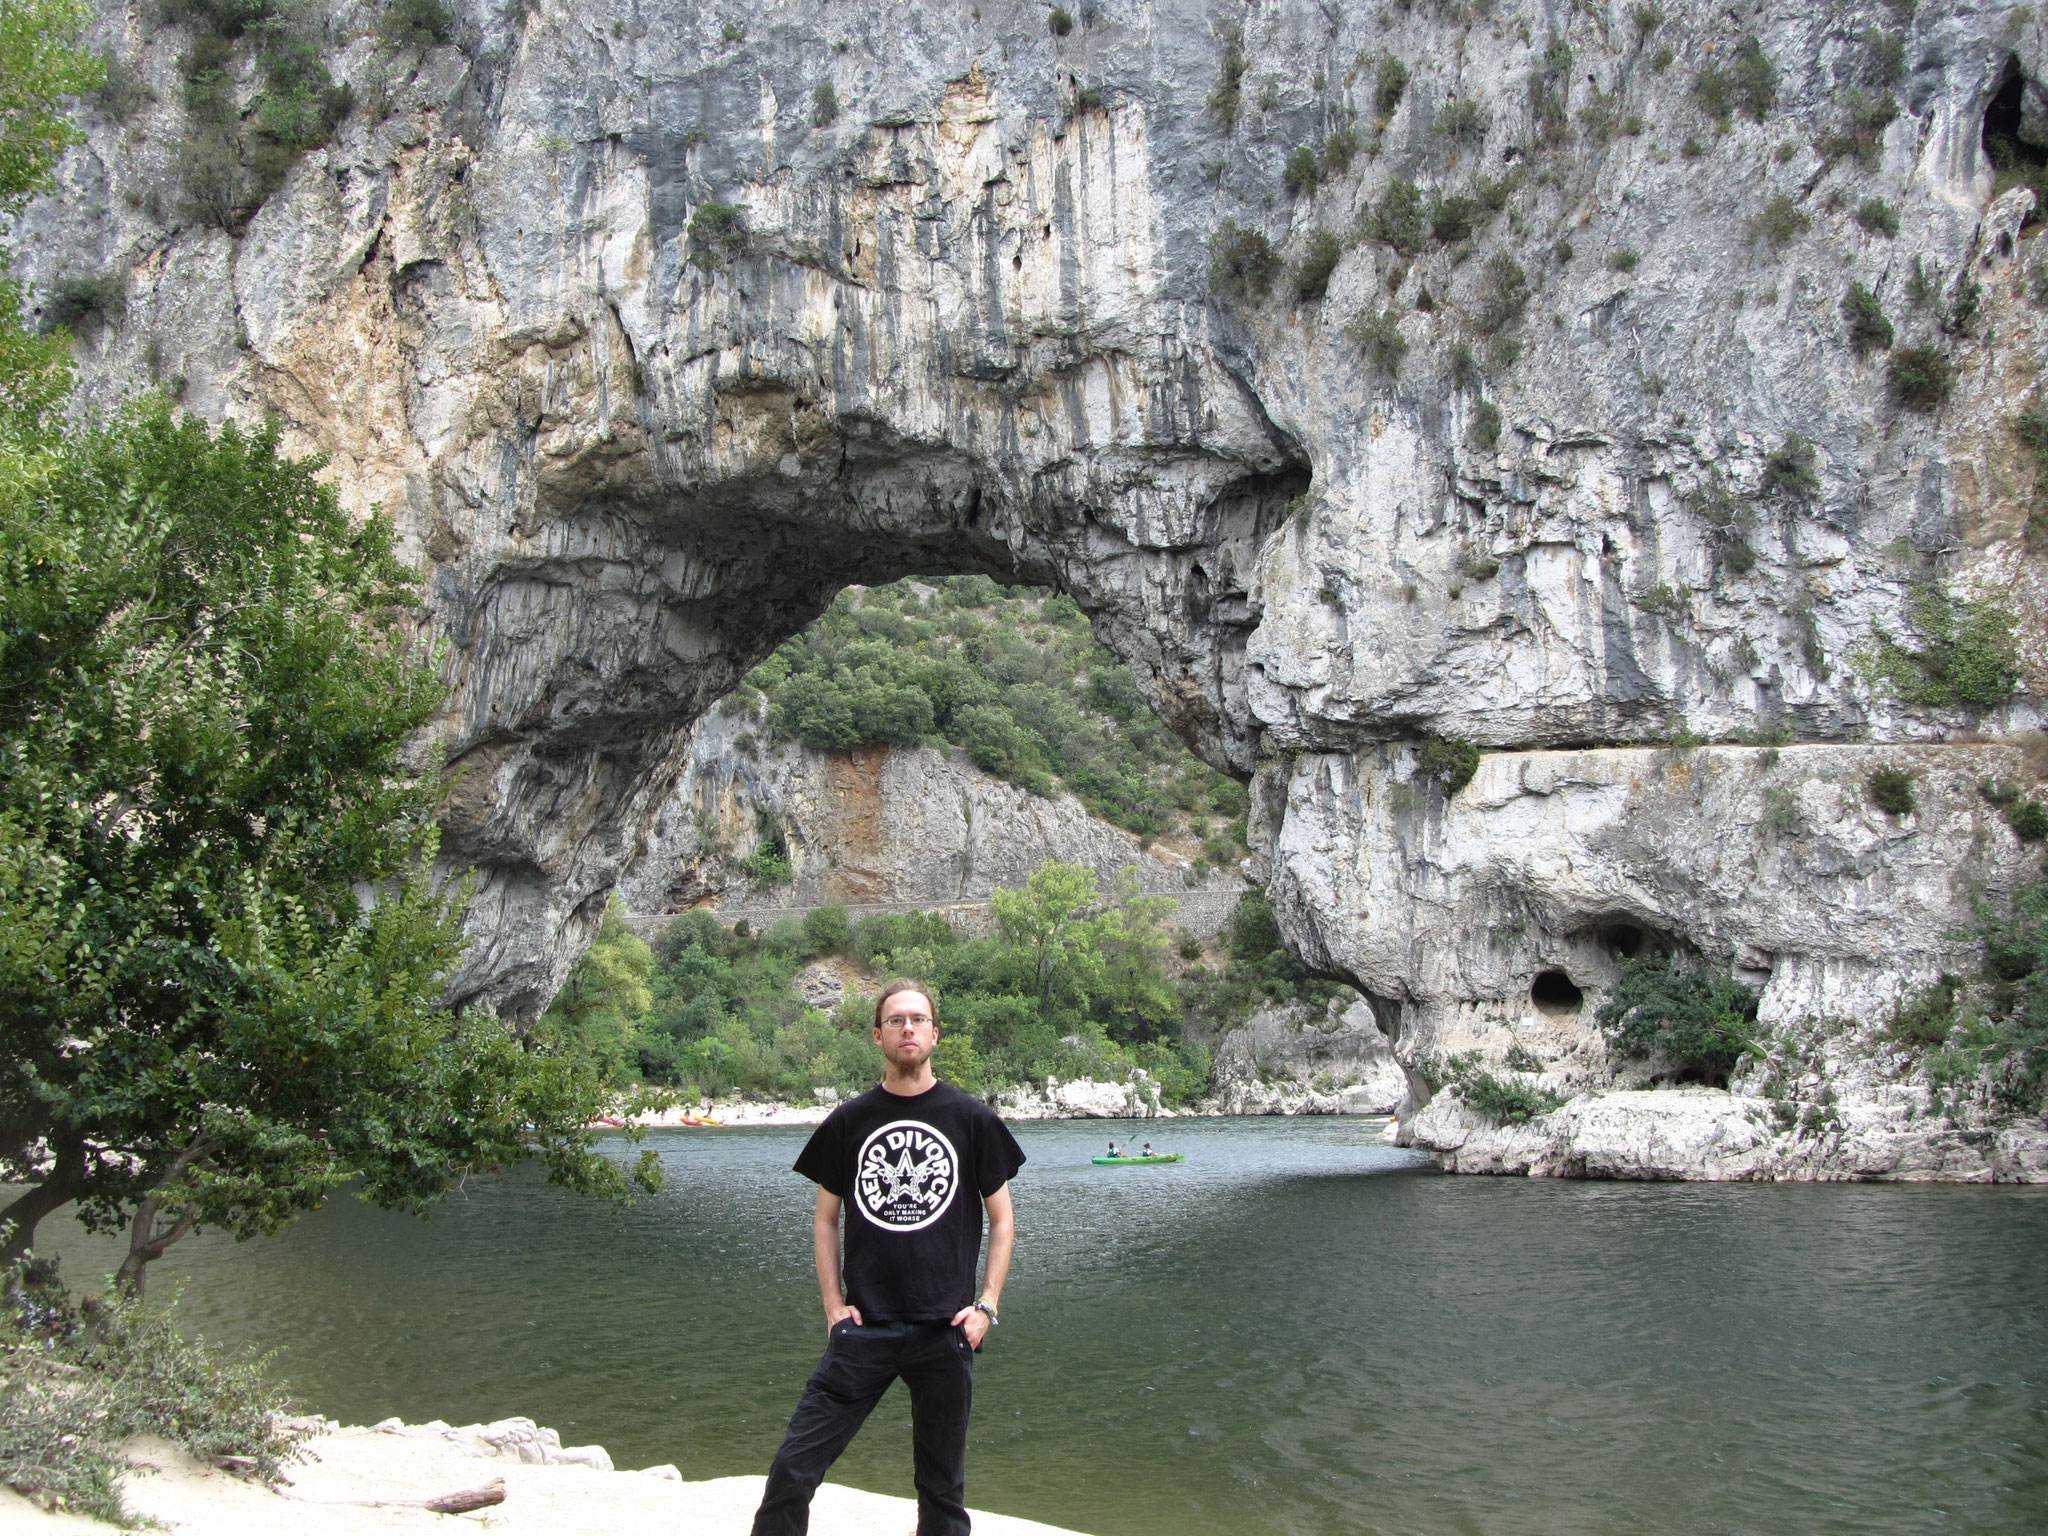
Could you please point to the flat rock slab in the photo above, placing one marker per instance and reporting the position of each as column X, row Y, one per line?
column 348, row 1466
column 1702, row 1133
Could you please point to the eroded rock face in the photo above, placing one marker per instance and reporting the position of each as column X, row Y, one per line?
column 1293, row 1059
column 881, row 828
column 972, row 329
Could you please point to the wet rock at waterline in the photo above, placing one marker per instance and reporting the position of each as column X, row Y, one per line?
column 1602, row 464
column 1701, row 1133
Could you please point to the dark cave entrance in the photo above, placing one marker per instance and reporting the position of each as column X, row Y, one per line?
column 2016, row 160
column 1556, row 994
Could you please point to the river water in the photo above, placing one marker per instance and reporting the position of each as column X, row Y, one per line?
column 1298, row 1330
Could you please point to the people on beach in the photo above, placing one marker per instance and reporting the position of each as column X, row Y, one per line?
column 904, row 1163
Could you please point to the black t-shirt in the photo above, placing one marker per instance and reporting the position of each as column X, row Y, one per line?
column 913, row 1170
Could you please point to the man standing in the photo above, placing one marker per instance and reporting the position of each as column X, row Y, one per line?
column 918, row 1161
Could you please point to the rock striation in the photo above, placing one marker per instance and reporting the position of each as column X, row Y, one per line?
column 1564, row 444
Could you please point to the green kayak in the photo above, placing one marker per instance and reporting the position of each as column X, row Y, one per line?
column 1156, row 1157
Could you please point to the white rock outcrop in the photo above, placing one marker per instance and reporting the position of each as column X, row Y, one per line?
column 1698, row 1133
column 515, row 1439
column 1291, row 1059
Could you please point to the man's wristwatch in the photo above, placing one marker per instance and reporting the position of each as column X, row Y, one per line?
column 985, row 1305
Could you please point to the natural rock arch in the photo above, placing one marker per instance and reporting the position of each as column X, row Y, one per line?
column 972, row 329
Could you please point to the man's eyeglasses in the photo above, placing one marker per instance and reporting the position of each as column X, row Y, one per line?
column 907, row 1020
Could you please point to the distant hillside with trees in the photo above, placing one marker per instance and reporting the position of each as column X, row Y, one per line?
column 1014, row 677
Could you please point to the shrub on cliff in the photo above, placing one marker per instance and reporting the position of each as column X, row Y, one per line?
column 1505, row 1098
column 1462, row 122
column 1869, row 329
column 1501, row 296
column 1792, row 468
column 1451, row 762
column 1228, row 95
column 1380, row 342
column 233, row 158
column 718, row 235
column 1966, row 658
column 1996, row 1053
column 1748, row 85
column 1401, row 217
column 1692, row 1016
column 1242, row 262
column 1779, row 222
column 1389, row 84
column 1453, row 219
column 1890, row 790
column 1312, row 279
column 1878, row 217
column 1301, row 172
column 1921, row 378
column 98, row 299
column 415, row 23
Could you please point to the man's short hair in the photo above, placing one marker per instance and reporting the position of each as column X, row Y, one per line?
column 905, row 984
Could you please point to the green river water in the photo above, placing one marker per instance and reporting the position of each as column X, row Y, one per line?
column 1296, row 1330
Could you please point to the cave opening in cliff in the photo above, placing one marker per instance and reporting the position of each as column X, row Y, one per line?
column 1622, row 940
column 2017, row 160
column 1556, row 994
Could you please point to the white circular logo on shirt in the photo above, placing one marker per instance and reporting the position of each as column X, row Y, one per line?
column 904, row 1178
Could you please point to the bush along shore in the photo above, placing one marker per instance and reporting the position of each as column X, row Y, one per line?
column 1073, row 984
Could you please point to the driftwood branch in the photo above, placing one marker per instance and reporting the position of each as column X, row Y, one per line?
column 460, row 1503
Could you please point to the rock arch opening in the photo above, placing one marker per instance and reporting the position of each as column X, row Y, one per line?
column 582, row 668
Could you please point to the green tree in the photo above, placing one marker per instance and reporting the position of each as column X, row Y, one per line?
column 40, row 64
column 1045, row 922
column 1134, row 997
column 595, row 1016
column 1683, row 1011
column 220, row 950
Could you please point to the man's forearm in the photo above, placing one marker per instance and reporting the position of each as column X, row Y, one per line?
column 825, row 1249
column 1002, row 1237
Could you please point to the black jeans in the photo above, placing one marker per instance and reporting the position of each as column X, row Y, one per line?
column 936, row 1362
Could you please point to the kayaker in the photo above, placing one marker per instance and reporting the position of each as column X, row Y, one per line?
column 1112, row 1149
column 904, row 1161
column 1148, row 1149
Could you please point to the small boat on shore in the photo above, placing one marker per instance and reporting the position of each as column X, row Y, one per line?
column 1156, row 1157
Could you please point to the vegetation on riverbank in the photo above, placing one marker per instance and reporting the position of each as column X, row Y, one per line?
column 1987, row 1037
column 78, row 1380
column 1071, row 982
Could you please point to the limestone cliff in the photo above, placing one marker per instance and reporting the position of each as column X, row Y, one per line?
column 880, row 828
column 1600, row 467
